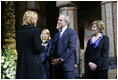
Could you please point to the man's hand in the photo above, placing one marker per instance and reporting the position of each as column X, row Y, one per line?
column 56, row 61
column 76, row 65
column 93, row 66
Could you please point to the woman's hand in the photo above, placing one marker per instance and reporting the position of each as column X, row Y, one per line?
column 93, row 66
column 44, row 44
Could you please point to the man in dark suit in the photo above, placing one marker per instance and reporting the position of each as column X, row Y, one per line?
column 63, row 50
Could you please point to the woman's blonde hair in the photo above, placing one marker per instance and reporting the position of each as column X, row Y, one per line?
column 47, row 32
column 30, row 17
column 100, row 25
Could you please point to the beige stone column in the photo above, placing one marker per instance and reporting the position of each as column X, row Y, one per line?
column 109, row 16
column 66, row 7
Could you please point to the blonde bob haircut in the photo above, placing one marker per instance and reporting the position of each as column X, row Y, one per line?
column 100, row 25
column 47, row 32
column 30, row 17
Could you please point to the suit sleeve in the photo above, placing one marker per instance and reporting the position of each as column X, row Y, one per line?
column 37, row 42
column 71, row 46
column 105, row 53
column 77, row 52
column 87, row 59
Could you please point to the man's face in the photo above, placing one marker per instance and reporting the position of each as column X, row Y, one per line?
column 61, row 22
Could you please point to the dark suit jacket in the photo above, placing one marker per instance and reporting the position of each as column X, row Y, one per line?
column 65, row 47
column 98, row 55
column 28, row 45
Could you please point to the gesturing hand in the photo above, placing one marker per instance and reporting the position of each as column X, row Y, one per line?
column 44, row 44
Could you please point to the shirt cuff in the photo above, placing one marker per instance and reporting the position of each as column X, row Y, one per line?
column 61, row 59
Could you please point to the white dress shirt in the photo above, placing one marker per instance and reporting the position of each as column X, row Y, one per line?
column 63, row 29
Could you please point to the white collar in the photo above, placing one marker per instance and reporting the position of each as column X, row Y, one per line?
column 97, row 37
column 63, row 29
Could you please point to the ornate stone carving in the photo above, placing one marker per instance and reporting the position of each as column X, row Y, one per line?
column 9, row 25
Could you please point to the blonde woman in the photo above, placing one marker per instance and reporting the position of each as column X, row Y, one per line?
column 29, row 48
column 45, row 57
column 97, row 52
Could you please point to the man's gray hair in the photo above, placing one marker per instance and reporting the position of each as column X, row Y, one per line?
column 66, row 18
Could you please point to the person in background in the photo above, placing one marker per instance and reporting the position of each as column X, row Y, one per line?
column 97, row 52
column 77, row 55
column 45, row 57
column 28, row 45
